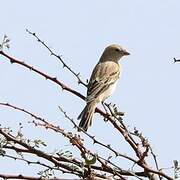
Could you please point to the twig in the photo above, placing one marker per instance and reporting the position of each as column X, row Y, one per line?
column 69, row 136
column 8, row 176
column 155, row 160
column 77, row 75
column 39, row 153
column 95, row 140
column 32, row 162
column 46, row 76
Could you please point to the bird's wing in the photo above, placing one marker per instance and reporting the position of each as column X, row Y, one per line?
column 103, row 75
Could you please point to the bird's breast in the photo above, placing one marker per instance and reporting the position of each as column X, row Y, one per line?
column 108, row 92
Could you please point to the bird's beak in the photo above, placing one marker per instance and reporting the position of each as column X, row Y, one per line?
column 126, row 53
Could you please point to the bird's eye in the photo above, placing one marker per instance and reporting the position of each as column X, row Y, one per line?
column 117, row 50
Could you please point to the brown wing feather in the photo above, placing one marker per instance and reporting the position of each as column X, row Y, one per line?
column 103, row 75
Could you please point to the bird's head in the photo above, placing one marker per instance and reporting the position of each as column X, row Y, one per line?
column 114, row 53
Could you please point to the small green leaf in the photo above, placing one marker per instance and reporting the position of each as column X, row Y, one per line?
column 90, row 159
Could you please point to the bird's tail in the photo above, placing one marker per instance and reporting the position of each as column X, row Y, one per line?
column 87, row 115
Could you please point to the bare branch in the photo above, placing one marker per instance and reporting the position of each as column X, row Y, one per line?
column 77, row 75
column 8, row 176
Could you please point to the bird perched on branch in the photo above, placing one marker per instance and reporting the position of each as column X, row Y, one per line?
column 102, row 82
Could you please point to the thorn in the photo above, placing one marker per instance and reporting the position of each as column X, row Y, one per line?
column 94, row 141
column 174, row 60
column 55, row 78
column 12, row 61
column 135, row 131
column 30, row 68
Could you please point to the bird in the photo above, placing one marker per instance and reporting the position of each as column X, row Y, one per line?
column 102, row 82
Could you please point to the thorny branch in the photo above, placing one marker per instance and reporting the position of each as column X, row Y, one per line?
column 95, row 141
column 77, row 75
column 46, row 76
column 37, row 152
column 75, row 140
column 7, row 176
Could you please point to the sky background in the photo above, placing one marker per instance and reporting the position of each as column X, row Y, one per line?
column 148, row 90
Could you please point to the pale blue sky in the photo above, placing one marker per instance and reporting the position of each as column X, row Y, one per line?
column 148, row 90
